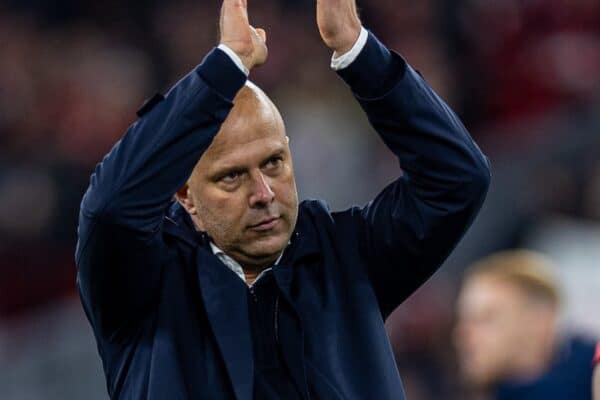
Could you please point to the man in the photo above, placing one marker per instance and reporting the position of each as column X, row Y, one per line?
column 507, row 338
column 235, row 290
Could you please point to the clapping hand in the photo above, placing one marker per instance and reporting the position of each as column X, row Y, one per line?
column 249, row 43
column 339, row 24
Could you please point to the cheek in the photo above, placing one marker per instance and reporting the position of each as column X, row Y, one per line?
column 285, row 190
column 223, row 210
column 481, row 339
column 485, row 339
column 525, row 328
column 503, row 341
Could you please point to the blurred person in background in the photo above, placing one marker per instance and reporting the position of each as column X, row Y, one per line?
column 507, row 334
column 237, row 291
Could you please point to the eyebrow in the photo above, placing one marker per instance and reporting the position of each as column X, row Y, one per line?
column 275, row 153
column 218, row 173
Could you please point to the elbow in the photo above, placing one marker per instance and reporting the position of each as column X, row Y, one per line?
column 96, row 198
column 479, row 181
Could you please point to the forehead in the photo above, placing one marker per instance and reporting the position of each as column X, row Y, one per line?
column 481, row 293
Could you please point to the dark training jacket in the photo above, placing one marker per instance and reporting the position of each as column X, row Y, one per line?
column 568, row 376
column 171, row 320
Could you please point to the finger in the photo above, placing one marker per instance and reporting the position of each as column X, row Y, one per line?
column 262, row 34
column 235, row 5
column 234, row 8
column 233, row 21
column 221, row 18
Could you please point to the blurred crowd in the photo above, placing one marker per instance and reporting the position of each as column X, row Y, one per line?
column 523, row 74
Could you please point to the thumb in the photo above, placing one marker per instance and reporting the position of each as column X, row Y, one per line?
column 262, row 34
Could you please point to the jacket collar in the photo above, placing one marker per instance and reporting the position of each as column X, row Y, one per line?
column 179, row 224
column 225, row 303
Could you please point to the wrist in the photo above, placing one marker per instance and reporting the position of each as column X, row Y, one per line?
column 341, row 61
column 347, row 40
column 252, row 51
column 221, row 74
column 239, row 62
column 375, row 70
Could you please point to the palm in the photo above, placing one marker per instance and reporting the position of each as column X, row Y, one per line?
column 235, row 27
column 338, row 23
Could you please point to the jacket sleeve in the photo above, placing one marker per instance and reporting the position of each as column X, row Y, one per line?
column 120, row 250
column 409, row 229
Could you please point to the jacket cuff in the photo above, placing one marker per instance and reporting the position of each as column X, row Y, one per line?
column 220, row 73
column 375, row 71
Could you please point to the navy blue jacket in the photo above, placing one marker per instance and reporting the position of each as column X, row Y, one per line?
column 568, row 377
column 171, row 321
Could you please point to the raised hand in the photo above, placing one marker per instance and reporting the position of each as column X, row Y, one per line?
column 339, row 24
column 248, row 43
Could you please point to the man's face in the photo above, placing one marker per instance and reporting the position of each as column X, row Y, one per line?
column 242, row 192
column 494, row 323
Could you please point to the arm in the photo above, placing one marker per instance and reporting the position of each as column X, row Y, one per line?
column 120, row 251
column 409, row 229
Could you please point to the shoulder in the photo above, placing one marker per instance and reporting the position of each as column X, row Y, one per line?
column 320, row 211
column 314, row 210
column 574, row 360
column 340, row 229
column 314, row 206
column 580, row 347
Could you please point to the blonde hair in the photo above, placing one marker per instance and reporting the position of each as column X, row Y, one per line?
column 530, row 271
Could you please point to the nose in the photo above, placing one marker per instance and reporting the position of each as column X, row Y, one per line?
column 261, row 192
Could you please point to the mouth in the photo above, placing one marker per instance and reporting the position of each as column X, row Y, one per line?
column 265, row 225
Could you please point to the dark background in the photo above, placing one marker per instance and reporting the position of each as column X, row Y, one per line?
column 523, row 74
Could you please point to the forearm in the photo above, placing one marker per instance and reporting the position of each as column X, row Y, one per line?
column 119, row 252
column 135, row 181
column 421, row 216
column 433, row 147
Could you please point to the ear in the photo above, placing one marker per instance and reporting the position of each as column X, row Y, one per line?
column 183, row 197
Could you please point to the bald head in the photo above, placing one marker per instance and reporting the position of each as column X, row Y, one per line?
column 242, row 192
column 252, row 109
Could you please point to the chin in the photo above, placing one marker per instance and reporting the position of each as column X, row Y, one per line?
column 478, row 378
column 269, row 246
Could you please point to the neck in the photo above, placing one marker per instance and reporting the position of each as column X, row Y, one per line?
column 251, row 275
column 251, row 271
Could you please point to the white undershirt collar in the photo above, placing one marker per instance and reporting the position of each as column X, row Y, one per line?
column 236, row 267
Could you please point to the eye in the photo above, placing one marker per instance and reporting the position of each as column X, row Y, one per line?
column 230, row 178
column 273, row 163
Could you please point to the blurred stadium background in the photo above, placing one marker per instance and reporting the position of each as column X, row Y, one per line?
column 523, row 74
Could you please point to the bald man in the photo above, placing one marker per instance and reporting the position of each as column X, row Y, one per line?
column 202, row 275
